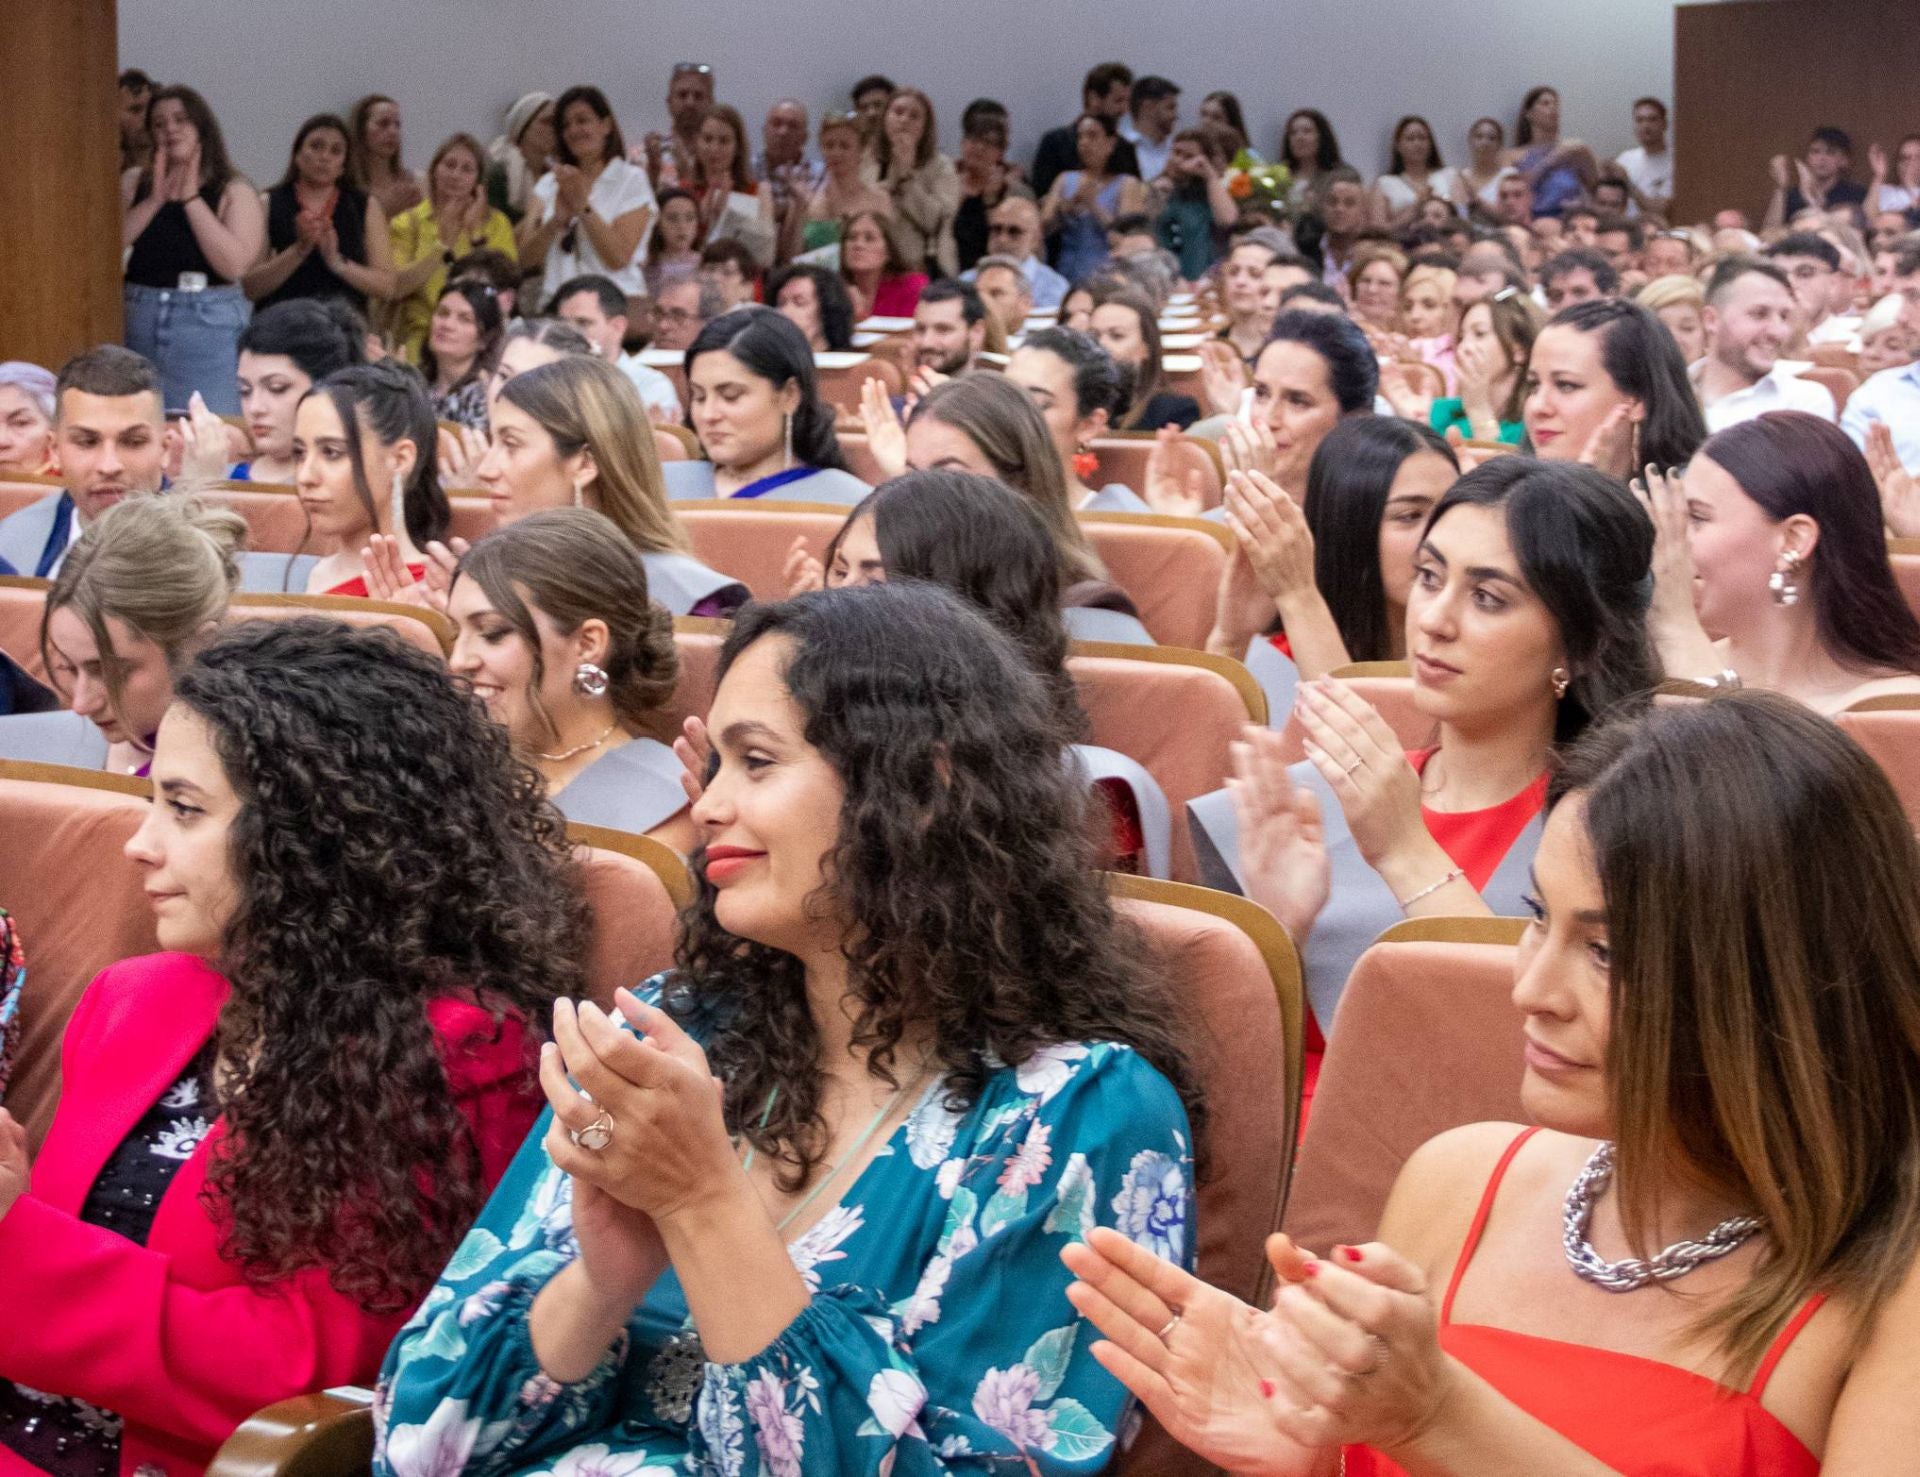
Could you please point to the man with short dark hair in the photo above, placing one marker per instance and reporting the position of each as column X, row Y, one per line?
column 1513, row 200
column 670, row 157
column 1749, row 320
column 870, row 95
column 136, row 146
column 1107, row 91
column 730, row 266
column 1892, row 397
column 1620, row 241
column 949, row 328
column 1818, row 182
column 1612, row 195
column 1153, row 114
column 682, row 308
column 598, row 308
column 1810, row 263
column 1579, row 275
column 1649, row 163
column 1579, row 225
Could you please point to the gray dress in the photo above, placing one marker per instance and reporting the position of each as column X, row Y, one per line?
column 633, row 788
column 53, row 738
column 693, row 481
column 1116, row 497
column 681, row 582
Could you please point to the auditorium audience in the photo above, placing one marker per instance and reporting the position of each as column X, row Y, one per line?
column 453, row 220
column 1527, row 620
column 1487, row 164
column 272, row 1135
column 285, row 350
column 561, row 644
column 1310, row 149
column 26, row 418
column 843, row 194
column 1816, row 182
column 325, row 238
column 1341, row 196
column 1004, row 288
column 782, row 161
column 1107, row 91
column 374, row 125
column 1579, row 274
column 1077, row 387
column 1772, row 568
column 798, row 933
column 816, row 300
column 1605, row 385
column 1496, row 338
column 1903, row 194
column 753, row 401
column 593, row 208
column 1125, row 324
column 1195, row 207
column 1558, row 173
column 733, row 205
column 1737, row 870
column 878, row 278
column 1014, row 230
column 1373, row 287
column 518, row 157
column 1680, row 303
column 728, row 265
column 682, row 309
column 920, row 181
column 1085, row 201
column 671, row 158
column 599, row 310
column 1648, row 165
column 986, row 179
column 1892, row 397
column 949, row 331
column 457, row 360
column 112, row 637
column 192, row 226
column 1249, row 315
column 1749, row 320
column 1414, row 175
column 1153, row 113
column 673, row 252
column 364, row 450
column 1885, row 342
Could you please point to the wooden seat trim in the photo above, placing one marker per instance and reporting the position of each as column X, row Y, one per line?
column 443, row 628
column 67, row 774
column 1440, row 929
column 659, row 858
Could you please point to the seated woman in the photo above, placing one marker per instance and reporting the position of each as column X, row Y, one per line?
column 1127, row 326
column 1083, row 202
column 462, row 340
column 1605, row 385
column 326, row 238
column 1325, row 582
column 1772, row 570
column 989, row 424
column 1429, row 319
column 921, row 182
column 850, row 1243
column 285, row 350
column 573, row 433
column 673, row 251
column 1373, row 287
column 1527, row 620
column 818, row 217
column 559, row 640
column 1496, row 339
column 1076, row 308
column 983, row 541
column 817, row 302
column 733, row 207
column 26, row 418
column 271, row 1136
column 753, row 402
column 1076, row 385
column 426, row 240
column 1414, row 175
column 113, row 637
column 363, row 448
column 1703, row 930
column 878, row 278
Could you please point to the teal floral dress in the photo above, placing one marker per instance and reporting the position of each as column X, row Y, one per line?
column 939, row 1338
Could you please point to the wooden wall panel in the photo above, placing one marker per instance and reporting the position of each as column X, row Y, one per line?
column 1752, row 78
column 59, row 185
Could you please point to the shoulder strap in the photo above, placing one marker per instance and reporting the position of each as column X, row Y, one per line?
column 1480, row 1221
column 1758, row 1386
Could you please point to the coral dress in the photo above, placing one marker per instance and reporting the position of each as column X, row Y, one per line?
column 1642, row 1417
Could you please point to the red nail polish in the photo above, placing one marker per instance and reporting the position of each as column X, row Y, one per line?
column 1311, row 1269
column 1267, row 1388
column 1351, row 1253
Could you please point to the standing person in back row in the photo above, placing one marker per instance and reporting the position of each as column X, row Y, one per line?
column 194, row 225
column 1817, row 182
column 669, row 157
column 594, row 208
column 1108, row 91
column 1153, row 114
column 1649, row 163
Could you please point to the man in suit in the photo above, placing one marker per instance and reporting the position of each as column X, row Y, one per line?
column 108, row 444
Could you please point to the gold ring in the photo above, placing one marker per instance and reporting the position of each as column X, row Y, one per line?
column 596, row 1135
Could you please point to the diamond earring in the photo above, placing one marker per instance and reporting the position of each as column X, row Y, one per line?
column 590, row 680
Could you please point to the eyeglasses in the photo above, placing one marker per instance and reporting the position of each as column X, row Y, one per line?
column 995, row 228
column 676, row 315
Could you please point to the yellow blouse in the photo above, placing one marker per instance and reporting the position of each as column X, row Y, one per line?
column 416, row 234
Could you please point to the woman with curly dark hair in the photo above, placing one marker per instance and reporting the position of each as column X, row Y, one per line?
column 940, row 1060
column 272, row 1135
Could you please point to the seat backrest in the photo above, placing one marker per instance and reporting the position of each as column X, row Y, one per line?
column 17, row 493
column 668, row 447
column 1123, row 459
column 1837, row 356
column 23, row 601
column 1170, row 566
column 1904, row 555
column 1175, row 712
column 1426, row 1039
column 1236, row 972
column 1837, row 382
column 635, row 887
column 750, row 541
column 276, row 520
column 1888, row 728
column 426, row 630
column 1389, row 687
column 841, row 385
column 472, row 515
column 859, row 455
column 65, row 877
column 698, row 640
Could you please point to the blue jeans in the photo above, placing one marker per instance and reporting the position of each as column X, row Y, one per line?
column 193, row 340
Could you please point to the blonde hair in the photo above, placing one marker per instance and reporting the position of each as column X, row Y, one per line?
column 585, row 403
column 165, row 567
column 1442, row 277
column 1373, row 251
column 1671, row 292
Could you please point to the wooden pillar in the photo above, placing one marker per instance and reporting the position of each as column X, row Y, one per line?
column 59, row 188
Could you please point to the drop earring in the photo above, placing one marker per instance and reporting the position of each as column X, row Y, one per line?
column 1560, row 679
column 590, row 680
column 397, row 504
column 1786, row 588
column 579, row 497
column 787, row 432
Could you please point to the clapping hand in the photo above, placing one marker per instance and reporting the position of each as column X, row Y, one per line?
column 203, row 442
column 1664, row 496
column 886, row 437
column 1247, row 446
column 460, row 454
column 804, row 573
column 1781, row 168
column 1172, row 490
column 1361, row 759
column 1283, row 846
column 694, row 750
column 570, row 190
column 1273, row 532
column 1397, row 386
column 1610, row 447
column 1899, row 494
column 1223, row 374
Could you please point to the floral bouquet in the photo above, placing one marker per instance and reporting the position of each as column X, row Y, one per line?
column 1253, row 182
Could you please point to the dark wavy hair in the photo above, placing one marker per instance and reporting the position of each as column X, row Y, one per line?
column 319, row 334
column 1790, row 462
column 1347, row 485
column 1643, row 362
column 484, row 299
column 1099, row 380
column 946, row 742
column 595, row 99
column 1585, row 547
column 771, row 345
column 389, row 851
column 1327, row 155
column 986, row 543
column 829, row 291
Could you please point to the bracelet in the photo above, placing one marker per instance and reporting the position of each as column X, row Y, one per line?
column 1454, row 876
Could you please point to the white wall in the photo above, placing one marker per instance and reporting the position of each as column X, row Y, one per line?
column 457, row 64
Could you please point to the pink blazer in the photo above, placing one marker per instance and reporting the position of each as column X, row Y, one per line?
column 169, row 1335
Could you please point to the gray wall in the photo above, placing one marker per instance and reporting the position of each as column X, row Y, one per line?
column 457, row 64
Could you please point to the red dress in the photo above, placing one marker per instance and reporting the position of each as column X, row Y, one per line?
column 357, row 586
column 1642, row 1417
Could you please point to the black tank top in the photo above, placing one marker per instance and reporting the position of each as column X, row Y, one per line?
column 313, row 277
column 167, row 247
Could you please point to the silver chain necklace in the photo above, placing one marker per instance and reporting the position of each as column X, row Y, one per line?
column 1630, row 1273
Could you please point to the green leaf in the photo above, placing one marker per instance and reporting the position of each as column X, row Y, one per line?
column 475, row 1254
column 1048, row 1359
column 1077, row 1435
column 1002, row 1211
column 960, row 1212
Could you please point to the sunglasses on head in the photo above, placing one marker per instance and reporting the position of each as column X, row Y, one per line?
column 680, row 69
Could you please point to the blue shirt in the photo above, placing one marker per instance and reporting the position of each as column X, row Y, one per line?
column 1892, row 396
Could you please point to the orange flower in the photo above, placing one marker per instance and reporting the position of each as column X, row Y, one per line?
column 1239, row 185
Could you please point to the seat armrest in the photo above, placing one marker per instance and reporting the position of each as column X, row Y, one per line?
column 329, row 1434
